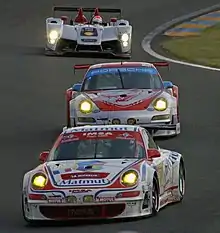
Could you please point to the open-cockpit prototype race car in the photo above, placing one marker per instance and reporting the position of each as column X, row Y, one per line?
column 124, row 93
column 88, row 36
column 103, row 172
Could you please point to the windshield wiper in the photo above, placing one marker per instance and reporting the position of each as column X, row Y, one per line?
column 121, row 78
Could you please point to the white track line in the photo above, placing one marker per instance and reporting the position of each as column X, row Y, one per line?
column 146, row 43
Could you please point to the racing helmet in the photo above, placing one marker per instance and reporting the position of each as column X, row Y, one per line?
column 97, row 20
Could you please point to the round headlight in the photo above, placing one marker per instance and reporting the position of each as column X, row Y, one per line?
column 160, row 104
column 85, row 106
column 53, row 35
column 125, row 37
column 39, row 180
column 129, row 178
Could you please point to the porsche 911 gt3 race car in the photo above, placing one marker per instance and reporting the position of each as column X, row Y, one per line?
column 88, row 37
column 101, row 172
column 123, row 93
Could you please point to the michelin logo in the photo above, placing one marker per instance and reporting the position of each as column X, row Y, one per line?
column 83, row 182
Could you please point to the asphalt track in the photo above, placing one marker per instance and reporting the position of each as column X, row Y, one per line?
column 32, row 102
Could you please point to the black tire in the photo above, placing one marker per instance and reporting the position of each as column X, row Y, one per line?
column 155, row 197
column 28, row 221
column 182, row 180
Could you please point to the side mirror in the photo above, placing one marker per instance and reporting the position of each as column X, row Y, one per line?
column 153, row 153
column 43, row 156
column 167, row 84
column 77, row 87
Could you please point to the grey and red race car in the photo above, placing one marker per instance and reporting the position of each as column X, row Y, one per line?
column 124, row 93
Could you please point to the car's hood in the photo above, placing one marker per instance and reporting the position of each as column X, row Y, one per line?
column 123, row 100
column 86, row 172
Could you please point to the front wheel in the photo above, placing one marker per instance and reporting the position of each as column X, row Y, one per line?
column 182, row 180
column 155, row 198
column 28, row 221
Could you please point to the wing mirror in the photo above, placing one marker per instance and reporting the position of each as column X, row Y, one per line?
column 153, row 153
column 43, row 156
column 167, row 84
column 77, row 87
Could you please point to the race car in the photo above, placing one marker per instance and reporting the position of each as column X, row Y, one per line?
column 124, row 93
column 88, row 37
column 103, row 172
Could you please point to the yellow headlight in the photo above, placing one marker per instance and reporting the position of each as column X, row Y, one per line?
column 85, row 106
column 53, row 35
column 39, row 180
column 160, row 104
column 129, row 178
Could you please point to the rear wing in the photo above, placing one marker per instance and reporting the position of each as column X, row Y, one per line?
column 81, row 67
column 161, row 64
column 86, row 9
column 86, row 66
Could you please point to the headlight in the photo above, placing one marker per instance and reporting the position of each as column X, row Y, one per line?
column 160, row 104
column 39, row 180
column 125, row 37
column 53, row 35
column 129, row 178
column 85, row 106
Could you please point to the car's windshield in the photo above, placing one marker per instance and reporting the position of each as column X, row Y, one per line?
column 122, row 78
column 100, row 145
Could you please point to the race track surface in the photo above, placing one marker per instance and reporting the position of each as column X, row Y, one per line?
column 32, row 102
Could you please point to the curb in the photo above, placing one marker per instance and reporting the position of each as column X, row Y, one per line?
column 146, row 43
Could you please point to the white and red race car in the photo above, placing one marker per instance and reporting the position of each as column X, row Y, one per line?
column 101, row 172
column 124, row 93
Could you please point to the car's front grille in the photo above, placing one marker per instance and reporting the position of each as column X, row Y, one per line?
column 92, row 211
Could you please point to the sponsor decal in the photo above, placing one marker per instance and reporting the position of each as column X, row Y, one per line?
column 56, row 172
column 83, row 182
column 71, row 199
column 132, row 203
column 89, row 165
column 88, row 175
column 89, row 31
column 105, row 199
column 97, row 134
column 88, row 199
column 144, row 172
column 68, row 170
column 148, row 70
column 69, row 138
column 80, row 190
column 97, row 129
column 125, row 136
column 56, row 199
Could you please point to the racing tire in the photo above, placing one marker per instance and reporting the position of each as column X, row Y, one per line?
column 181, row 183
column 155, row 198
column 28, row 221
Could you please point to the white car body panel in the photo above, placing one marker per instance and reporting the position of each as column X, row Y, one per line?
column 109, row 33
column 104, row 192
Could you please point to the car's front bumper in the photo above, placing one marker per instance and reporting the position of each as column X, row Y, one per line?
column 142, row 118
column 119, row 207
column 58, row 212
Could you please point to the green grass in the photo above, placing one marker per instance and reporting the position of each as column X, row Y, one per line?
column 203, row 49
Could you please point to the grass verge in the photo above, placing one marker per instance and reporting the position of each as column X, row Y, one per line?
column 203, row 49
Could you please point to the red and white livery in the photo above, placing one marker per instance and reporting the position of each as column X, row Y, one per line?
column 124, row 93
column 101, row 172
